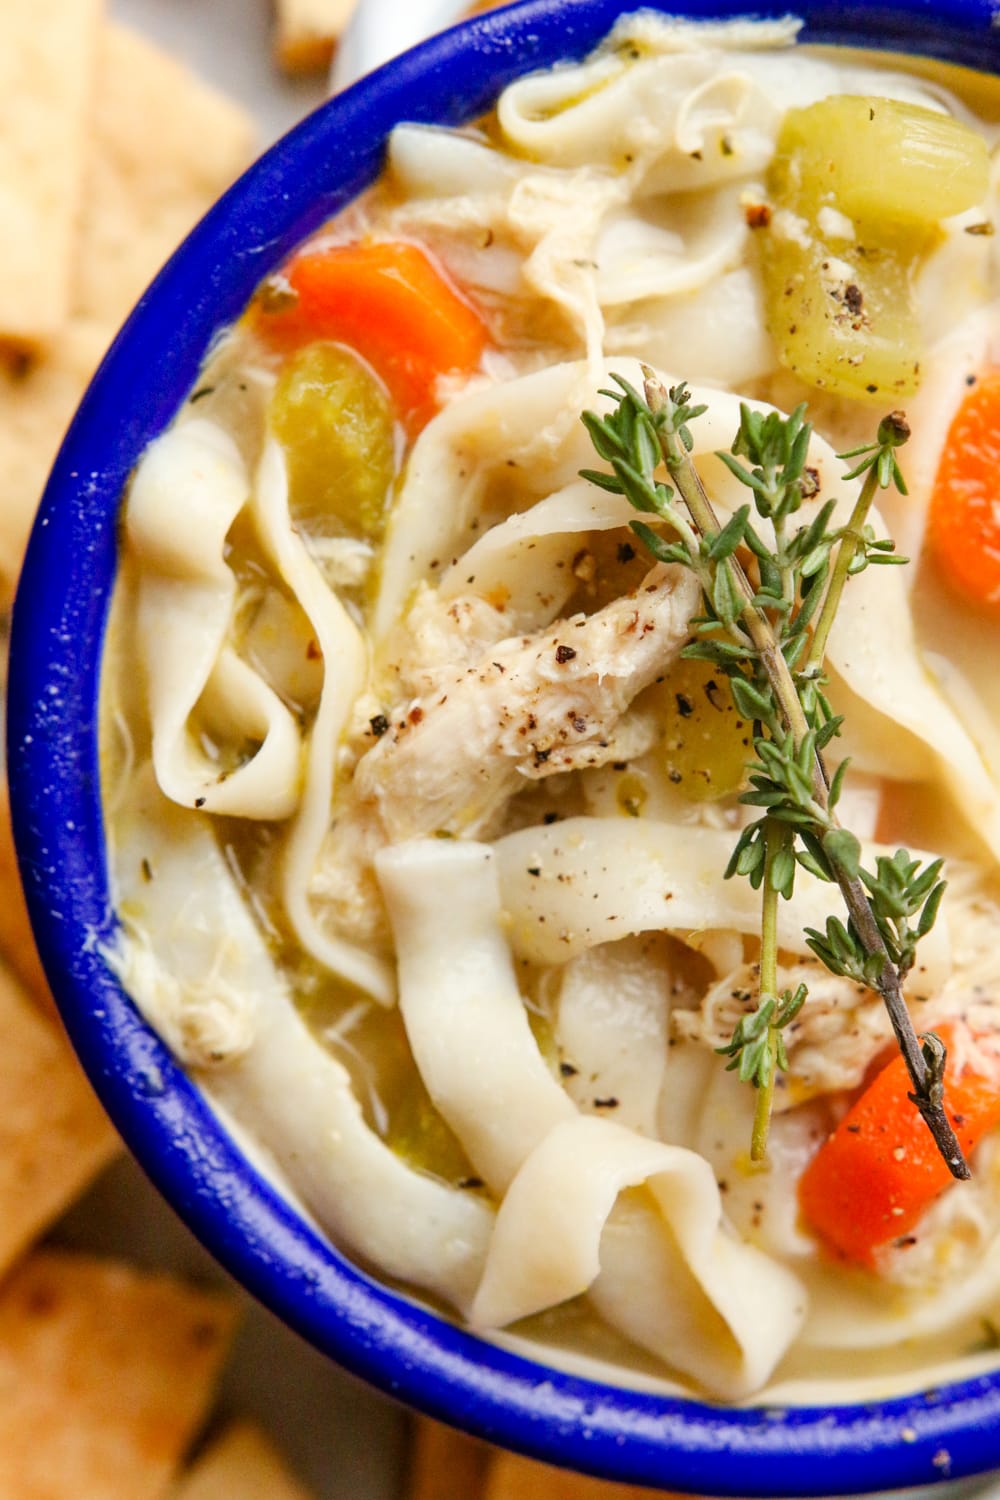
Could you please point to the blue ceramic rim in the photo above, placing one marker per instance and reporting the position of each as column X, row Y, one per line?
column 58, row 627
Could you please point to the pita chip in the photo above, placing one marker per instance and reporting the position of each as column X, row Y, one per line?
column 307, row 31
column 17, row 941
column 37, row 400
column 244, row 1463
column 445, row 1463
column 48, row 56
column 106, row 1373
column 514, row 1478
column 165, row 146
column 54, row 1136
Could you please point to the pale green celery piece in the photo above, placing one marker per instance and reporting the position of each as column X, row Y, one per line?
column 859, row 187
column 844, row 322
column 334, row 421
column 883, row 161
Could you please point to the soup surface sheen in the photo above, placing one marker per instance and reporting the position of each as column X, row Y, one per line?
column 418, row 817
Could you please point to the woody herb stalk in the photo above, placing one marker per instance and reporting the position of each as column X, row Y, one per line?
column 766, row 628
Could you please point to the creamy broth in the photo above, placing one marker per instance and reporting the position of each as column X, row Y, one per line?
column 417, row 816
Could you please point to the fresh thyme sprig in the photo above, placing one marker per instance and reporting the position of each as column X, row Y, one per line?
column 765, row 625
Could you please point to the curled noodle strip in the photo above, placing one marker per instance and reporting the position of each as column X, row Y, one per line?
column 429, row 162
column 661, row 1266
column 187, row 491
column 899, row 688
column 201, row 970
column 721, row 326
column 649, row 116
column 531, row 423
column 585, row 881
column 462, row 1007
column 561, row 1173
column 527, row 555
column 612, row 1028
column 671, row 252
column 345, row 663
column 872, row 1318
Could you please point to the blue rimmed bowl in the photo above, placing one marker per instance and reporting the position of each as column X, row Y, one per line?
column 58, row 631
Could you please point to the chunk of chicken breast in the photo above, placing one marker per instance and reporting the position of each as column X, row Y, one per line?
column 531, row 706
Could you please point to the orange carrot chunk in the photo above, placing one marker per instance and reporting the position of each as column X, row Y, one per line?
column 391, row 304
column 873, row 1178
column 963, row 524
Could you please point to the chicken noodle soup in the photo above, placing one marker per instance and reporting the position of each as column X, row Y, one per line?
column 419, row 805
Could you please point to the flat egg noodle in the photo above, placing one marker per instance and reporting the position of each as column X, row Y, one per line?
column 586, row 881
column 187, row 491
column 863, row 1316
column 678, row 108
column 476, row 1054
column 528, row 425
column 660, row 1266
column 644, row 118
column 189, row 944
column 873, row 649
column 678, row 248
column 963, row 352
column 762, row 1210
column 462, row 1007
column 525, row 559
column 561, row 217
column 612, row 1029
column 345, row 665
column 721, row 328
column 428, row 161
column 569, row 237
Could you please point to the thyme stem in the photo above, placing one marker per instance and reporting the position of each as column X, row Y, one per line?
column 841, row 569
column 695, row 497
column 862, row 950
column 926, row 1084
column 894, row 431
column 768, row 991
column 925, row 1064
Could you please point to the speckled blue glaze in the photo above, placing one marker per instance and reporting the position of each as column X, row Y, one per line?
column 52, row 753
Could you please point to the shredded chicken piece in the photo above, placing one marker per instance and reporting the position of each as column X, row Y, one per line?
column 437, row 639
column 529, row 707
column 830, row 1043
column 843, row 1026
column 532, row 706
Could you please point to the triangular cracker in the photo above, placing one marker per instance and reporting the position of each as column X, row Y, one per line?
column 105, row 1375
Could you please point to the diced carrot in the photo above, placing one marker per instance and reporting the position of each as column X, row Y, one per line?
column 873, row 1178
column 390, row 303
column 963, row 524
